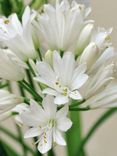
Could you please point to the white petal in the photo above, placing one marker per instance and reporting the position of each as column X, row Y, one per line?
column 26, row 16
column 68, row 64
column 49, row 91
column 29, row 119
column 58, row 138
column 45, row 145
column 61, row 99
column 75, row 95
column 32, row 132
column 49, row 106
column 79, row 81
column 64, row 124
column 62, row 112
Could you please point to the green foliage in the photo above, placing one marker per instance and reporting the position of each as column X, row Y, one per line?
column 9, row 6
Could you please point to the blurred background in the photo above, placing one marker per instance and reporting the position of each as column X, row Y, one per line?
column 104, row 141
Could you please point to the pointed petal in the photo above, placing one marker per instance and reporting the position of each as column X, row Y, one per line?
column 45, row 145
column 49, row 91
column 57, row 137
column 62, row 112
column 75, row 95
column 79, row 81
column 60, row 99
column 64, row 124
column 49, row 106
column 32, row 132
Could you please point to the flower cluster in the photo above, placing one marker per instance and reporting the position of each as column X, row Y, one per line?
column 71, row 65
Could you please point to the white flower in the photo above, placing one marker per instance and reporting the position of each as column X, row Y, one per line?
column 11, row 68
column 63, row 79
column 59, row 26
column 104, row 99
column 19, row 36
column 7, row 102
column 98, row 81
column 47, row 123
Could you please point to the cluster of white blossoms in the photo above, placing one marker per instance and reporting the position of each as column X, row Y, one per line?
column 72, row 63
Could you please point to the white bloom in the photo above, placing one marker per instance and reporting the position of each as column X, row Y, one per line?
column 64, row 78
column 18, row 36
column 59, row 26
column 11, row 68
column 7, row 102
column 47, row 123
column 104, row 99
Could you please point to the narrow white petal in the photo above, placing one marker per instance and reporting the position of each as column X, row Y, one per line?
column 61, row 99
column 64, row 124
column 58, row 138
column 49, row 91
column 45, row 144
column 32, row 132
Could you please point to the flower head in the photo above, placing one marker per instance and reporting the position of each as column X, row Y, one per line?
column 59, row 26
column 19, row 36
column 47, row 123
column 63, row 79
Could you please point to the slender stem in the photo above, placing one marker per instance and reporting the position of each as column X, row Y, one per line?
column 15, row 138
column 75, row 103
column 31, row 69
column 99, row 122
column 51, row 153
column 30, row 78
column 79, row 109
column 8, row 149
column 21, row 140
column 40, row 56
column 3, row 85
column 27, row 86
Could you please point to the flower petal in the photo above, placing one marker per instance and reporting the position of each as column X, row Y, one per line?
column 61, row 99
column 64, row 124
column 75, row 95
column 45, row 144
column 57, row 137
column 32, row 132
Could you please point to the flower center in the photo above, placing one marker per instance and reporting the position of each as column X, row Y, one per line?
column 6, row 21
column 64, row 90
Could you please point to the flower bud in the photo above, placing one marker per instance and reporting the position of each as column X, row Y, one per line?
column 102, row 38
column 49, row 56
column 89, row 54
column 85, row 37
column 11, row 67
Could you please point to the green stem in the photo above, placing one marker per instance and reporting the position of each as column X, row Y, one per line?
column 74, row 134
column 24, row 149
column 79, row 109
column 9, row 151
column 51, row 153
column 27, row 86
column 3, row 85
column 99, row 122
column 15, row 138
column 37, row 3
